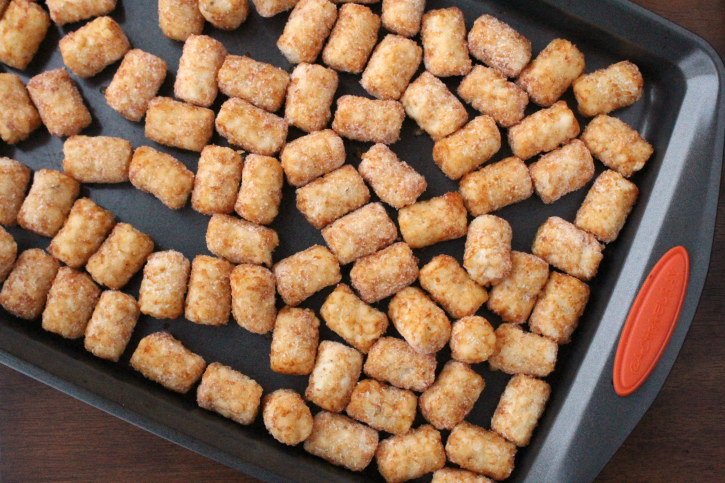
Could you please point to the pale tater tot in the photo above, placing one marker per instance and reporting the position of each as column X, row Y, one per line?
column 452, row 395
column 521, row 352
column 352, row 39
column 253, row 298
column 543, row 131
column 332, row 196
column 303, row 274
column 557, row 311
column 605, row 90
column 562, row 171
column 179, row 19
column 164, row 285
column 616, row 145
column 14, row 179
column 309, row 97
column 229, row 393
column 352, row 319
column 484, row 452
column 217, row 180
column 200, row 62
column 70, row 303
column 308, row 157
column 240, row 241
column 384, row 273
column 179, row 124
column 472, row 340
column 161, row 175
column 488, row 250
column 515, row 296
column 368, row 120
column 227, row 15
column 568, row 248
column 337, row 369
column 287, row 417
column 551, row 73
column 443, row 33
column 496, row 186
column 26, row 288
column 97, row 159
column 607, row 205
column 111, row 326
column 294, row 341
column 419, row 320
column 498, row 45
column 22, row 29
column 261, row 193
column 391, row 67
column 69, row 11
column 395, row 182
column 82, row 234
column 382, row 407
column 135, row 83
column 410, row 455
column 209, row 300
column 361, row 233
column 433, row 221
column 451, row 475
column 262, row 85
column 468, row 148
column 488, row 91
column 9, row 250
column 341, row 441
column 394, row 361
column 93, row 47
column 163, row 359
column 451, row 286
column 403, row 17
column 430, row 104
column 120, row 256
column 308, row 26
column 58, row 101
column 252, row 128
column 18, row 115
column 270, row 8
column 48, row 203
column 519, row 409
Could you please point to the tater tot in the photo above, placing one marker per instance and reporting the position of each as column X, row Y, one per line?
column 394, row 181
column 332, row 196
column 410, row 455
column 433, row 221
column 515, row 296
column 468, row 148
column 3, row 6
column 240, row 241
column 368, row 120
column 261, row 193
column 384, row 273
column 484, row 452
column 361, row 233
column 551, row 73
column 519, row 409
column 270, row 8
column 303, row 274
column 135, row 83
column 430, row 104
column 48, row 203
column 472, row 340
column 562, row 171
column 337, row 369
column 229, row 393
column 308, row 26
column 120, row 256
column 488, row 249
column 22, row 28
column 97, row 159
column 568, row 248
column 341, row 441
column 496, row 186
column 394, row 361
column 451, row 286
column 352, row 39
column 352, row 319
column 69, row 11
column 227, row 15
column 82, row 234
column 499, row 46
column 308, row 157
column 419, row 320
column 452, row 395
column 209, row 300
column 607, row 205
column 557, row 311
column 9, row 250
column 179, row 124
column 488, row 91
column 605, row 90
column 520, row 352
column 111, row 326
column 262, row 85
column 58, row 101
column 217, row 180
column 163, row 359
column 391, row 67
column 26, row 288
column 382, row 407
column 70, row 304
column 403, row 17
column 443, row 33
column 253, row 129
column 164, row 285
column 287, row 417
column 616, row 145
column 543, row 131
column 253, row 298
column 93, row 47
column 200, row 62
column 179, row 19
column 451, row 475
column 161, row 175
column 18, row 115
column 14, row 179
column 309, row 97
column 294, row 341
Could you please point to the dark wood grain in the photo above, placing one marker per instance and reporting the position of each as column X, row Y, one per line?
column 48, row 436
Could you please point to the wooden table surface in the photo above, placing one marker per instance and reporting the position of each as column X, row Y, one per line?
column 48, row 436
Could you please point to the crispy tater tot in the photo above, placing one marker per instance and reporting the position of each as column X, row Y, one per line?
column 93, row 47
column 9, row 250
column 520, row 352
column 341, row 441
column 568, row 248
column 179, row 19
column 451, row 286
column 97, row 159
column 368, row 120
column 337, row 369
column 164, row 285
column 451, row 475
column 497, row 45
column 519, row 409
column 515, row 296
column 217, row 180
column 70, row 303
column 605, row 90
column 430, row 104
column 543, row 131
column 394, row 361
column 352, row 319
column 111, row 326
column 303, row 274
column 135, row 83
column 332, row 196
column 488, row 91
column 253, row 298
column 287, row 417
column 22, row 29
column 25, row 291
column 200, row 62
column 410, row 455
column 229, row 393
column 352, row 39
column 48, row 203
column 556, row 313
column 496, row 186
column 384, row 273
column 443, row 33
column 484, row 452
column 551, row 73
column 163, row 359
column 82, row 234
column 270, row 8
column 452, row 395
column 18, row 115
column 240, row 241
column 261, row 193
column 468, row 148
column 309, row 97
column 403, row 17
column 59, row 103
column 361, row 233
column 308, row 26
column 391, row 67
column 120, row 256
column 419, row 320
column 433, row 221
column 488, row 249
column 227, row 15
column 69, row 11
column 562, row 171
column 607, row 205
column 616, row 145
column 394, row 181
column 209, row 300
column 308, row 157
column 472, row 340
column 14, row 179
column 250, row 127
column 294, row 341
column 262, row 85
column 179, row 124
column 382, row 407
column 161, row 175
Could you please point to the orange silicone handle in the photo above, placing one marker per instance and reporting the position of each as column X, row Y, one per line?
column 651, row 321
